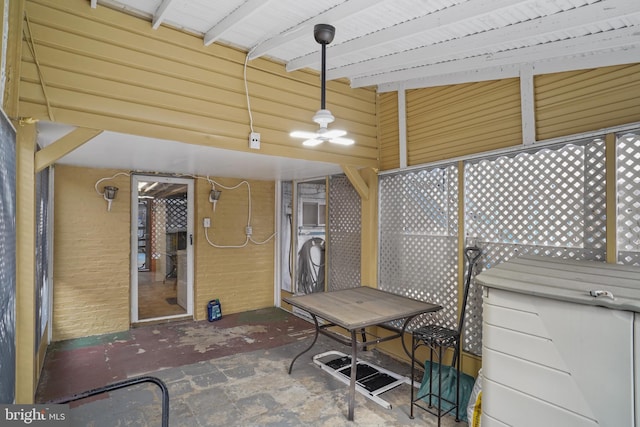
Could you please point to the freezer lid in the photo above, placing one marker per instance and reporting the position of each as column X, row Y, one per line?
column 585, row 282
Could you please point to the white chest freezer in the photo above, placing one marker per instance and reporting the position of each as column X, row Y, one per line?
column 561, row 344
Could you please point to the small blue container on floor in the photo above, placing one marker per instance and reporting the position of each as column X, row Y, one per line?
column 214, row 310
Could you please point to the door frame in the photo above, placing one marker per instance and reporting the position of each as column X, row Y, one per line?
column 135, row 178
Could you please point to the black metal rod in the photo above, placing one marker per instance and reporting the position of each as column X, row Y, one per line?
column 323, row 82
column 123, row 384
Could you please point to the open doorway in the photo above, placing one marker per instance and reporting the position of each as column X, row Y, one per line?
column 162, row 248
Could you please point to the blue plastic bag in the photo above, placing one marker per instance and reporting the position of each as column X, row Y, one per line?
column 449, row 374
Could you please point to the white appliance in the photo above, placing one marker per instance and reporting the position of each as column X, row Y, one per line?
column 561, row 343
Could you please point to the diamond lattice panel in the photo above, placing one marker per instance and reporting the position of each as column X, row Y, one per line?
column 418, row 239
column 176, row 215
column 550, row 203
column 344, row 234
column 531, row 199
column 628, row 190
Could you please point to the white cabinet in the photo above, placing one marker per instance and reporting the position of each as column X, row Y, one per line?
column 553, row 355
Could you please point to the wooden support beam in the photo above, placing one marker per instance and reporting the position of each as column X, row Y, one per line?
column 369, row 229
column 63, row 146
column 26, row 376
column 356, row 180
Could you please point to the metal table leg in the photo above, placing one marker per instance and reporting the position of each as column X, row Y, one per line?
column 354, row 370
column 315, row 338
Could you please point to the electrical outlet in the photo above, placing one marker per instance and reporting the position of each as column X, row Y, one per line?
column 206, row 222
column 254, row 140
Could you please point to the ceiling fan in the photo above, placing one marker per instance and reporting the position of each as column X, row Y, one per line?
column 323, row 33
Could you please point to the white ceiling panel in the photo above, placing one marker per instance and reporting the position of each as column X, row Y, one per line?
column 377, row 38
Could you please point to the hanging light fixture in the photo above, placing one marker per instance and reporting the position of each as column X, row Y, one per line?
column 323, row 33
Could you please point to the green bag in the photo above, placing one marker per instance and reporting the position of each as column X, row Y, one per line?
column 448, row 388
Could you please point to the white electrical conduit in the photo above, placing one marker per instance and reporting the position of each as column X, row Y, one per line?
column 248, row 229
column 106, row 179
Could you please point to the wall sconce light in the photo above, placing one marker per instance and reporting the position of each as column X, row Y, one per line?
column 214, row 195
column 109, row 194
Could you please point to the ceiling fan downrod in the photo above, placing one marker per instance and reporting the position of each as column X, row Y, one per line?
column 323, row 33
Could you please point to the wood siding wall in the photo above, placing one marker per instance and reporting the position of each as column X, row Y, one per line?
column 104, row 69
column 388, row 131
column 450, row 121
column 586, row 100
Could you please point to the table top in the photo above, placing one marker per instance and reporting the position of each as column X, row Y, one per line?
column 360, row 307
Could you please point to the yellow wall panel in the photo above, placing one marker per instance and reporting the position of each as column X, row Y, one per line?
column 92, row 253
column 242, row 278
column 586, row 100
column 451, row 121
column 91, row 247
column 115, row 66
column 388, row 130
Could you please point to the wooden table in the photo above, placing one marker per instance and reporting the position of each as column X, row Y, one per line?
column 354, row 310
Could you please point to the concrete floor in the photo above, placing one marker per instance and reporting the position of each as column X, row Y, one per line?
column 232, row 372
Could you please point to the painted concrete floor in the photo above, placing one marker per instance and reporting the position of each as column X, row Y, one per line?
column 232, row 372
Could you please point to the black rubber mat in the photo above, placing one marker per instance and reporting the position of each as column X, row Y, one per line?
column 377, row 381
column 362, row 371
column 339, row 363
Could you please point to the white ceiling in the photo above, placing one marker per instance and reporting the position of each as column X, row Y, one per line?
column 137, row 153
column 389, row 44
column 411, row 42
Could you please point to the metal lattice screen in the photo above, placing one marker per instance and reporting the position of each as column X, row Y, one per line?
column 7, row 261
column 169, row 216
column 418, row 257
column 628, row 190
column 42, row 254
column 343, row 234
column 551, row 202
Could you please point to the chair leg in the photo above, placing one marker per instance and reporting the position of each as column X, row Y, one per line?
column 457, row 350
column 413, row 370
column 430, row 375
column 439, row 384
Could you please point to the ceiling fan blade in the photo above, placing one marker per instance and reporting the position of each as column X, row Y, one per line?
column 342, row 141
column 303, row 134
column 334, row 133
column 312, row 142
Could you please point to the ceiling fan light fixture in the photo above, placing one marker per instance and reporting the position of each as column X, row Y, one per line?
column 323, row 118
column 342, row 141
column 312, row 142
column 323, row 33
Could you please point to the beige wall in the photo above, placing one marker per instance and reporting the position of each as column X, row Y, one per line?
column 242, row 278
column 91, row 254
